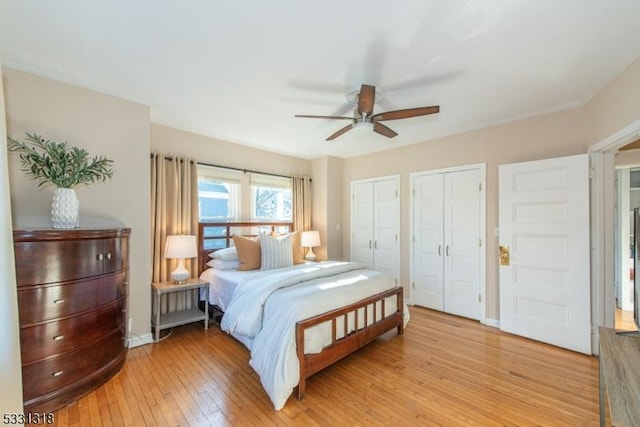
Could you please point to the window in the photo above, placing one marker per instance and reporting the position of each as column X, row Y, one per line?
column 233, row 195
column 218, row 193
column 271, row 197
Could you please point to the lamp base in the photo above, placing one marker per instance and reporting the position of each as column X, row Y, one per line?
column 310, row 255
column 180, row 275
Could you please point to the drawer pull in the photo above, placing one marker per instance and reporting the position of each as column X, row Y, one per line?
column 58, row 301
column 58, row 337
column 100, row 257
column 108, row 255
column 58, row 373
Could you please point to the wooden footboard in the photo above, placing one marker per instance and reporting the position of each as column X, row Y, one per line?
column 359, row 337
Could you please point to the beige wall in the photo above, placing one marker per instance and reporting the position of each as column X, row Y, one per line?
column 546, row 136
column 327, row 206
column 10, row 365
column 616, row 106
column 102, row 124
column 214, row 151
column 552, row 135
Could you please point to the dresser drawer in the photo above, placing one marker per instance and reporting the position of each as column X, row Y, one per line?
column 48, row 302
column 60, row 371
column 59, row 336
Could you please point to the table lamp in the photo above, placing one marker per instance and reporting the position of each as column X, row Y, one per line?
column 181, row 247
column 310, row 239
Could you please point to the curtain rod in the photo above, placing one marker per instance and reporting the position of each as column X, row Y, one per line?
column 171, row 158
column 244, row 170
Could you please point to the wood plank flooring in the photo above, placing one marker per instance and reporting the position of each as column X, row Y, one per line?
column 445, row 371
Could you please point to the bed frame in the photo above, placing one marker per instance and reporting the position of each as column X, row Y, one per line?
column 361, row 335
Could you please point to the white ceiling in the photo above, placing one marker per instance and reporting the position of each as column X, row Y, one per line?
column 239, row 70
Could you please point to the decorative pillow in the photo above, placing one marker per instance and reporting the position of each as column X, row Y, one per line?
column 296, row 246
column 276, row 252
column 220, row 264
column 226, row 254
column 248, row 252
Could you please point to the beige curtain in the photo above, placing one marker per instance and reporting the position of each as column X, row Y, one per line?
column 174, row 210
column 301, row 188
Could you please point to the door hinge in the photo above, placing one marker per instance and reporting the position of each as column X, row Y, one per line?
column 413, row 285
column 479, row 186
column 479, row 298
column 480, row 242
column 396, row 193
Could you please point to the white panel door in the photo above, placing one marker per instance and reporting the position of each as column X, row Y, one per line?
column 462, row 243
column 362, row 222
column 428, row 244
column 544, row 223
column 385, row 227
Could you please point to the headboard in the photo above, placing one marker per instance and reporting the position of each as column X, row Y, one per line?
column 213, row 236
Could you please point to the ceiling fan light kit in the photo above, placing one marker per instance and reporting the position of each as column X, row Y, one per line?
column 365, row 120
column 362, row 126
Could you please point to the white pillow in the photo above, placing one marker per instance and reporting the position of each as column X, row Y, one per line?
column 275, row 252
column 226, row 254
column 220, row 264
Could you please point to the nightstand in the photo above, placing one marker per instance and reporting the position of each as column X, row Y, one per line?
column 160, row 321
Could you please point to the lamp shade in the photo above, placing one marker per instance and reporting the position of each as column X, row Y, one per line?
column 181, row 247
column 310, row 239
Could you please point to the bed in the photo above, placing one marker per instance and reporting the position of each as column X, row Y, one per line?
column 296, row 319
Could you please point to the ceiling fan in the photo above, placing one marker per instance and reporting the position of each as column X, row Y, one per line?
column 364, row 117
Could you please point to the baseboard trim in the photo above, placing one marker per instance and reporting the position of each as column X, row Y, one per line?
column 492, row 322
column 138, row 340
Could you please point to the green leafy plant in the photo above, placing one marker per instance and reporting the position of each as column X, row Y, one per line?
column 58, row 163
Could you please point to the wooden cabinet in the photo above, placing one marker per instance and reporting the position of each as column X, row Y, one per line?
column 72, row 301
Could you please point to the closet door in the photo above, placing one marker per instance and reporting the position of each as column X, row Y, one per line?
column 462, row 243
column 428, row 241
column 362, row 222
column 385, row 227
column 446, row 242
column 375, row 211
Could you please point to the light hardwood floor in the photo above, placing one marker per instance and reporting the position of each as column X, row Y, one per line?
column 444, row 371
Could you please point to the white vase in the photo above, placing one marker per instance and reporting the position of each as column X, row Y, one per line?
column 64, row 208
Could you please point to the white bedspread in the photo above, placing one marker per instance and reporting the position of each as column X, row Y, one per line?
column 267, row 305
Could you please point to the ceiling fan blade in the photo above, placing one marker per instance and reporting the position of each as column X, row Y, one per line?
column 383, row 130
column 340, row 132
column 405, row 114
column 324, row 117
column 366, row 99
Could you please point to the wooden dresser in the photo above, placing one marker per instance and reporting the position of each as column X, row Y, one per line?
column 72, row 302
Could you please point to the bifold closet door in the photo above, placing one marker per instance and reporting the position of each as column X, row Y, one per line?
column 362, row 223
column 374, row 224
column 385, row 227
column 428, row 285
column 446, row 264
column 462, row 243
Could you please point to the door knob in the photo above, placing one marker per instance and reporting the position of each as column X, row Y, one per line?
column 504, row 255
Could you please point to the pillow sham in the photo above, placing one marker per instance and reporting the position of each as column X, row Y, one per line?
column 226, row 254
column 220, row 264
column 296, row 246
column 276, row 252
column 248, row 252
